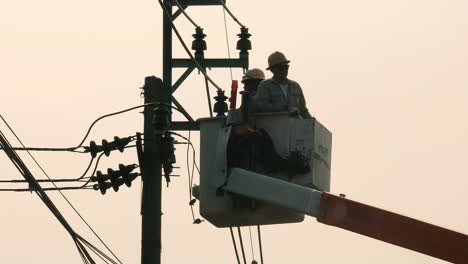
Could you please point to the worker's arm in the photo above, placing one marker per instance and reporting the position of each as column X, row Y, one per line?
column 303, row 111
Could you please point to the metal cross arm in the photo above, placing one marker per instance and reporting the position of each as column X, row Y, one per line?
column 199, row 2
column 181, row 79
column 212, row 63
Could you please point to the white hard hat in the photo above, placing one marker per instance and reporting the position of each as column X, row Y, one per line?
column 253, row 74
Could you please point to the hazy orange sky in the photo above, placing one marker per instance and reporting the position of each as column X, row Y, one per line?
column 388, row 78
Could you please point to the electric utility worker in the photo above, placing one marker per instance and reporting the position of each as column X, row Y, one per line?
column 280, row 94
column 251, row 80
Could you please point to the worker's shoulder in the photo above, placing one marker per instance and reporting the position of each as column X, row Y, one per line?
column 294, row 83
column 267, row 83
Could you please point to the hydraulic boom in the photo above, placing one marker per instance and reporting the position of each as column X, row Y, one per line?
column 356, row 217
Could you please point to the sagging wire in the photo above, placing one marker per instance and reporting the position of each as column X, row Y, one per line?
column 75, row 149
column 231, row 14
column 197, row 64
column 109, row 115
column 192, row 200
column 227, row 39
column 61, row 193
column 55, row 180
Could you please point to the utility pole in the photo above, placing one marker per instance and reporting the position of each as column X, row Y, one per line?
column 151, row 176
column 158, row 151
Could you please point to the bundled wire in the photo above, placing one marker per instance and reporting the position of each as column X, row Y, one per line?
column 36, row 187
column 42, row 195
column 75, row 149
column 85, row 186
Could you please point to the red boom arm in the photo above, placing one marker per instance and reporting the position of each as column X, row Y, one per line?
column 393, row 228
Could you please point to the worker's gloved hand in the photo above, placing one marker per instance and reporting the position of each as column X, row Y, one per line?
column 294, row 111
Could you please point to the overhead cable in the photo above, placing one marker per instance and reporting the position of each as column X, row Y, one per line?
column 49, row 189
column 36, row 185
column 197, row 64
column 260, row 244
column 241, row 244
column 19, row 164
column 108, row 115
column 231, row 14
column 70, row 149
column 234, row 244
column 55, row 180
column 227, row 40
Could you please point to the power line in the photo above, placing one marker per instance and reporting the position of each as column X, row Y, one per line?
column 234, row 244
column 227, row 41
column 49, row 189
column 241, row 244
column 231, row 14
column 71, row 149
column 108, row 115
column 56, row 180
column 22, row 168
column 74, row 149
column 32, row 180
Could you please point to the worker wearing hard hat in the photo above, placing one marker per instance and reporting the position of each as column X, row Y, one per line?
column 280, row 94
column 251, row 80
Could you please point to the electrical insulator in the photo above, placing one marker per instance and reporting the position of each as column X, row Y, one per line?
column 127, row 176
column 199, row 44
column 127, row 179
column 167, row 155
column 244, row 44
column 107, row 147
column 101, row 185
column 116, row 177
column 220, row 107
column 161, row 118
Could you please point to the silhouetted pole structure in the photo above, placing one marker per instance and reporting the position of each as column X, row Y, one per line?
column 151, row 176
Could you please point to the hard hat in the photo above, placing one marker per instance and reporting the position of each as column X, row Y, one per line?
column 253, row 74
column 276, row 58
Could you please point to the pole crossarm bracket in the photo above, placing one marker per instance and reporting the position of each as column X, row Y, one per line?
column 178, row 12
column 199, row 2
column 181, row 79
column 182, row 110
column 212, row 63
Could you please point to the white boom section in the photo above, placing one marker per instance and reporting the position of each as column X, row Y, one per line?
column 274, row 191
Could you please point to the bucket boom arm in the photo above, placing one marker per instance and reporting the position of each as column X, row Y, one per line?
column 356, row 217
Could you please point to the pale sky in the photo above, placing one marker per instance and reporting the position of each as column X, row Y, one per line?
column 388, row 78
